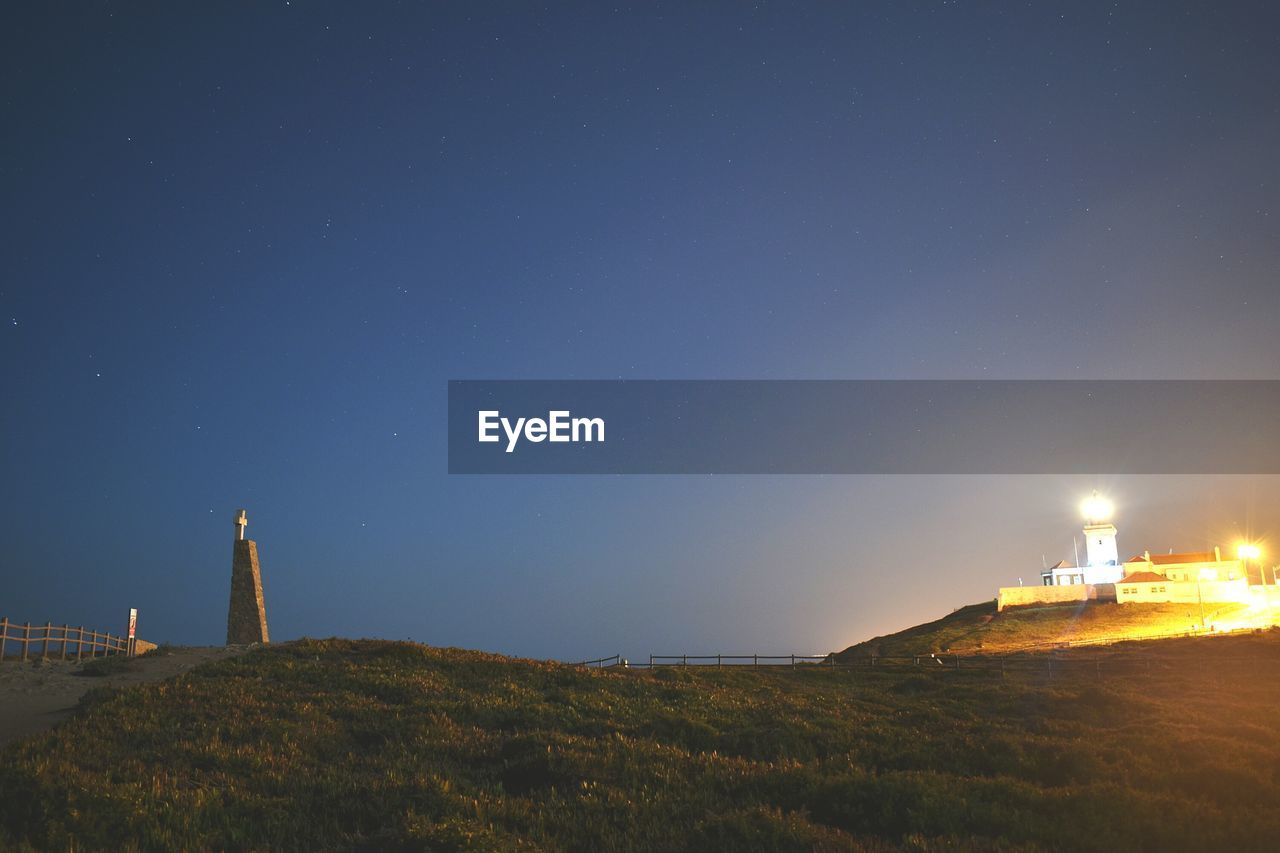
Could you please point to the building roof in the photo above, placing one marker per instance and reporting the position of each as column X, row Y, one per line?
column 1176, row 559
column 1189, row 557
column 1061, row 564
column 1143, row 577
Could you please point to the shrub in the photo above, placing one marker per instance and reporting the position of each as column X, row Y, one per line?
column 110, row 665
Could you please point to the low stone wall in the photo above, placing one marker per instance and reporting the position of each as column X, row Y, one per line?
column 1028, row 596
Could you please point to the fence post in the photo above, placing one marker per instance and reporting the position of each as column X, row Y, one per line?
column 755, row 661
column 4, row 635
column 26, row 639
column 684, row 660
column 62, row 651
column 44, row 647
column 718, row 661
column 793, row 661
column 80, row 643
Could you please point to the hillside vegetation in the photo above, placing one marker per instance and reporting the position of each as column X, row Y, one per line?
column 341, row 744
column 979, row 628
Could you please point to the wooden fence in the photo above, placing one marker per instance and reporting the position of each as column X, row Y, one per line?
column 601, row 663
column 1104, row 657
column 70, row 643
column 1048, row 664
column 754, row 661
column 975, row 659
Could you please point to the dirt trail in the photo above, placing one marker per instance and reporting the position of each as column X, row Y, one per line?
column 37, row 694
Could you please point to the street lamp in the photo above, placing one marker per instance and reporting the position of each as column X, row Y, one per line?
column 1200, row 596
column 1247, row 551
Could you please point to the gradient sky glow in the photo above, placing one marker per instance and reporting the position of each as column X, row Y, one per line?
column 246, row 245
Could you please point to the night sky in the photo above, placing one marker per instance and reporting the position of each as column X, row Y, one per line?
column 246, row 245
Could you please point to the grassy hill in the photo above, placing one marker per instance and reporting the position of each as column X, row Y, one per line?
column 379, row 745
column 979, row 628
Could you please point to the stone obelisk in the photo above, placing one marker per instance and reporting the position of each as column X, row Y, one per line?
column 247, row 614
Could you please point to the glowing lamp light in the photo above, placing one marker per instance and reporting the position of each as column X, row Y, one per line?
column 1096, row 508
column 1248, row 551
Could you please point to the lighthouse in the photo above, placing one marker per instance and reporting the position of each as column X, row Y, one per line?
column 1102, row 557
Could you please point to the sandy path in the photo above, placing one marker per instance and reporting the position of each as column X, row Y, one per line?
column 36, row 695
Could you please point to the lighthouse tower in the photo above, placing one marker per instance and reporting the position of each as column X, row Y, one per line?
column 1102, row 563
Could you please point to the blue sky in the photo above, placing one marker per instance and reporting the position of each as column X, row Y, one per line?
column 246, row 246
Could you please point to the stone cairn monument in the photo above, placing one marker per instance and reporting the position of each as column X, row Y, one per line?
column 247, row 615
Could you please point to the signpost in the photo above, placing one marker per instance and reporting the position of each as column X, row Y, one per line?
column 133, row 629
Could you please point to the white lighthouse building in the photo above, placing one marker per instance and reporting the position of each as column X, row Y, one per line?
column 1193, row 577
column 1102, row 556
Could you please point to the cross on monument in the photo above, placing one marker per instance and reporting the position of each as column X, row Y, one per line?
column 246, row 612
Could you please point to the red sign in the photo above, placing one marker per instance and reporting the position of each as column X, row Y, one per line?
column 133, row 622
